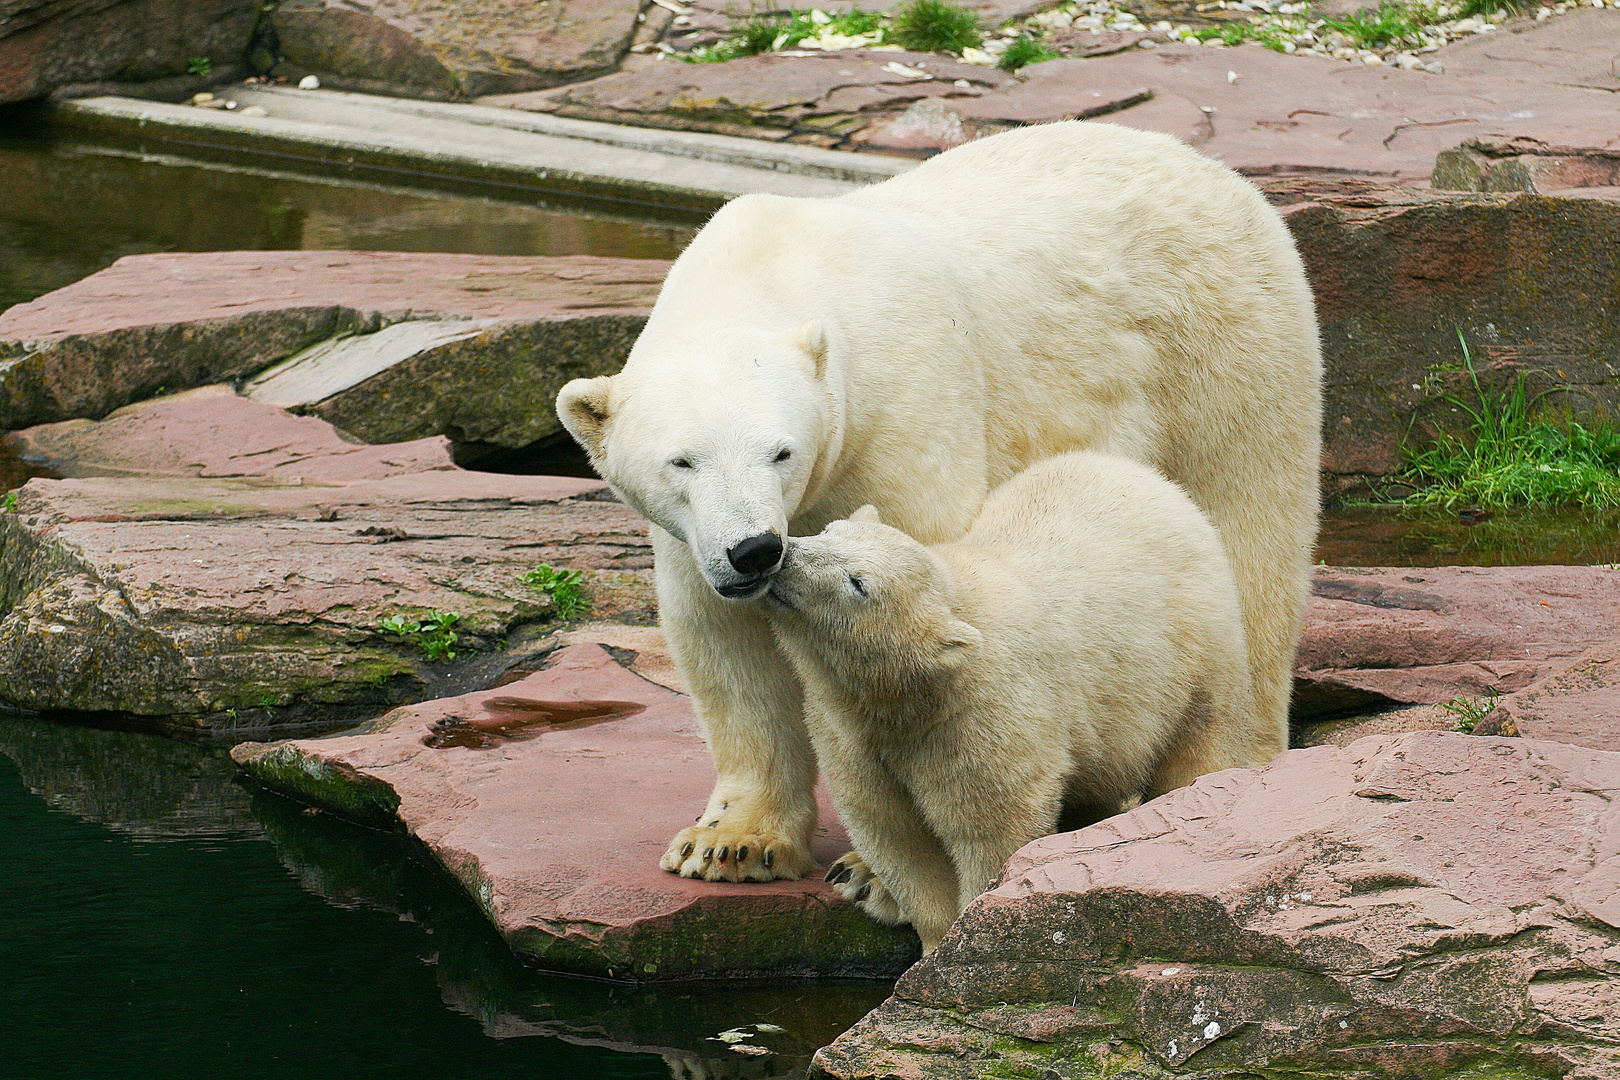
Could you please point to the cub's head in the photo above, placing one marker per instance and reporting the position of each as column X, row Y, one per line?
column 870, row 604
column 716, row 440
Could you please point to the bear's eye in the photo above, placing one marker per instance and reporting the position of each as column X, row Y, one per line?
column 857, row 584
column 681, row 463
column 783, row 455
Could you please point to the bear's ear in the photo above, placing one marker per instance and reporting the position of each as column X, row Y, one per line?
column 812, row 338
column 582, row 406
column 959, row 644
column 869, row 513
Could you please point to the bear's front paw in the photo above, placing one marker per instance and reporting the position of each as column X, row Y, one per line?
column 857, row 883
column 717, row 852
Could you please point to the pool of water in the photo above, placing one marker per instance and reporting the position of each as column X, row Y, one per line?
column 70, row 207
column 160, row 918
column 1391, row 536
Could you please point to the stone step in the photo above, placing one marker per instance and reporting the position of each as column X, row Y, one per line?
column 556, row 826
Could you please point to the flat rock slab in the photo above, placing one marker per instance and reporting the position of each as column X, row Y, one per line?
column 1542, row 81
column 452, row 48
column 253, row 603
column 151, row 323
column 47, row 44
column 556, row 828
column 1424, row 635
column 211, row 432
column 1429, row 905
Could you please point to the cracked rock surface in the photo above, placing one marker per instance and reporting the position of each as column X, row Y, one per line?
column 1428, row 905
column 556, row 827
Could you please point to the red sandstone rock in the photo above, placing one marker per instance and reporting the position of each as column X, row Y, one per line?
column 1425, row 635
column 173, row 321
column 45, row 44
column 556, row 830
column 1409, row 906
column 211, row 432
column 1579, row 704
column 452, row 48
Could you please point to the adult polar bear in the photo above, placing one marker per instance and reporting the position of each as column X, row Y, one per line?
column 914, row 344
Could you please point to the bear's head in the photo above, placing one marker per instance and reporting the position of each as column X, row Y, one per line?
column 717, row 448
column 871, row 605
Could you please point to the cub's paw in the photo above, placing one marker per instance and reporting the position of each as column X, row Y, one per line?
column 717, row 851
column 856, row 882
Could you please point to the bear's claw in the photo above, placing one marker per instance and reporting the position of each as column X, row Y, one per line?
column 717, row 854
column 857, row 883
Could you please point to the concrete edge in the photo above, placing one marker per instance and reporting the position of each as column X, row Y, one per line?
column 417, row 157
column 725, row 149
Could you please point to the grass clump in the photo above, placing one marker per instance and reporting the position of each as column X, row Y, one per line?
column 434, row 633
column 563, row 587
column 935, row 26
column 1470, row 712
column 1024, row 50
column 1387, row 25
column 200, row 65
column 1511, row 458
column 763, row 34
column 9, row 504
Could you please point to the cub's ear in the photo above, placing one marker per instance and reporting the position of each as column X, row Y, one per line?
column 869, row 513
column 959, row 644
column 582, row 406
column 812, row 338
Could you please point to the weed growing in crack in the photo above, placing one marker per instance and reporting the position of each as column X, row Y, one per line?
column 1024, row 50
column 935, row 26
column 1470, row 711
column 563, row 587
column 434, row 633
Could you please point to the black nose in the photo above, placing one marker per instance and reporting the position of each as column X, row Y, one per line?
column 757, row 554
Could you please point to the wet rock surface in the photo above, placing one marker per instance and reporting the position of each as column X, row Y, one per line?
column 48, row 44
column 519, row 328
column 452, row 48
column 252, row 601
column 1375, row 636
column 555, row 825
column 1421, row 905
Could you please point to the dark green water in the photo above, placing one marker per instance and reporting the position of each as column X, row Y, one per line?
column 69, row 207
column 160, row 919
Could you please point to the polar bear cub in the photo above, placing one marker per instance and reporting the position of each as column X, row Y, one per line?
column 1081, row 645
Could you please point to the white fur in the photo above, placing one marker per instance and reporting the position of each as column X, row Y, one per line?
column 1083, row 643
column 915, row 343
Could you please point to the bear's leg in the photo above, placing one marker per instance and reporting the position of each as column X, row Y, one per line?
column 1215, row 732
column 760, row 817
column 858, row 883
column 892, row 838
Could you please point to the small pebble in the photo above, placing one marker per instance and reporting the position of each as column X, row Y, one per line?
column 309, row 82
column 255, row 110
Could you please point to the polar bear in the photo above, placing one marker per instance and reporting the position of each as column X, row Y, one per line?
column 915, row 343
column 1081, row 645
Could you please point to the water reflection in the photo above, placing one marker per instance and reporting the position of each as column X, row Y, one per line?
column 69, row 207
column 1391, row 536
column 160, row 918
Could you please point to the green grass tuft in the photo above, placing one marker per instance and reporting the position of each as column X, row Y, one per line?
column 200, row 65
column 936, row 26
column 1024, row 50
column 768, row 33
column 9, row 504
column 1470, row 712
column 1387, row 25
column 563, row 585
column 1512, row 458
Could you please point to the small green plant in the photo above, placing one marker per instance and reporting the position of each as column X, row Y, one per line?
column 9, row 503
column 935, row 26
column 1470, row 711
column 1024, row 50
column 763, row 34
column 200, row 65
column 434, row 633
column 1386, row 25
column 562, row 585
column 1510, row 457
